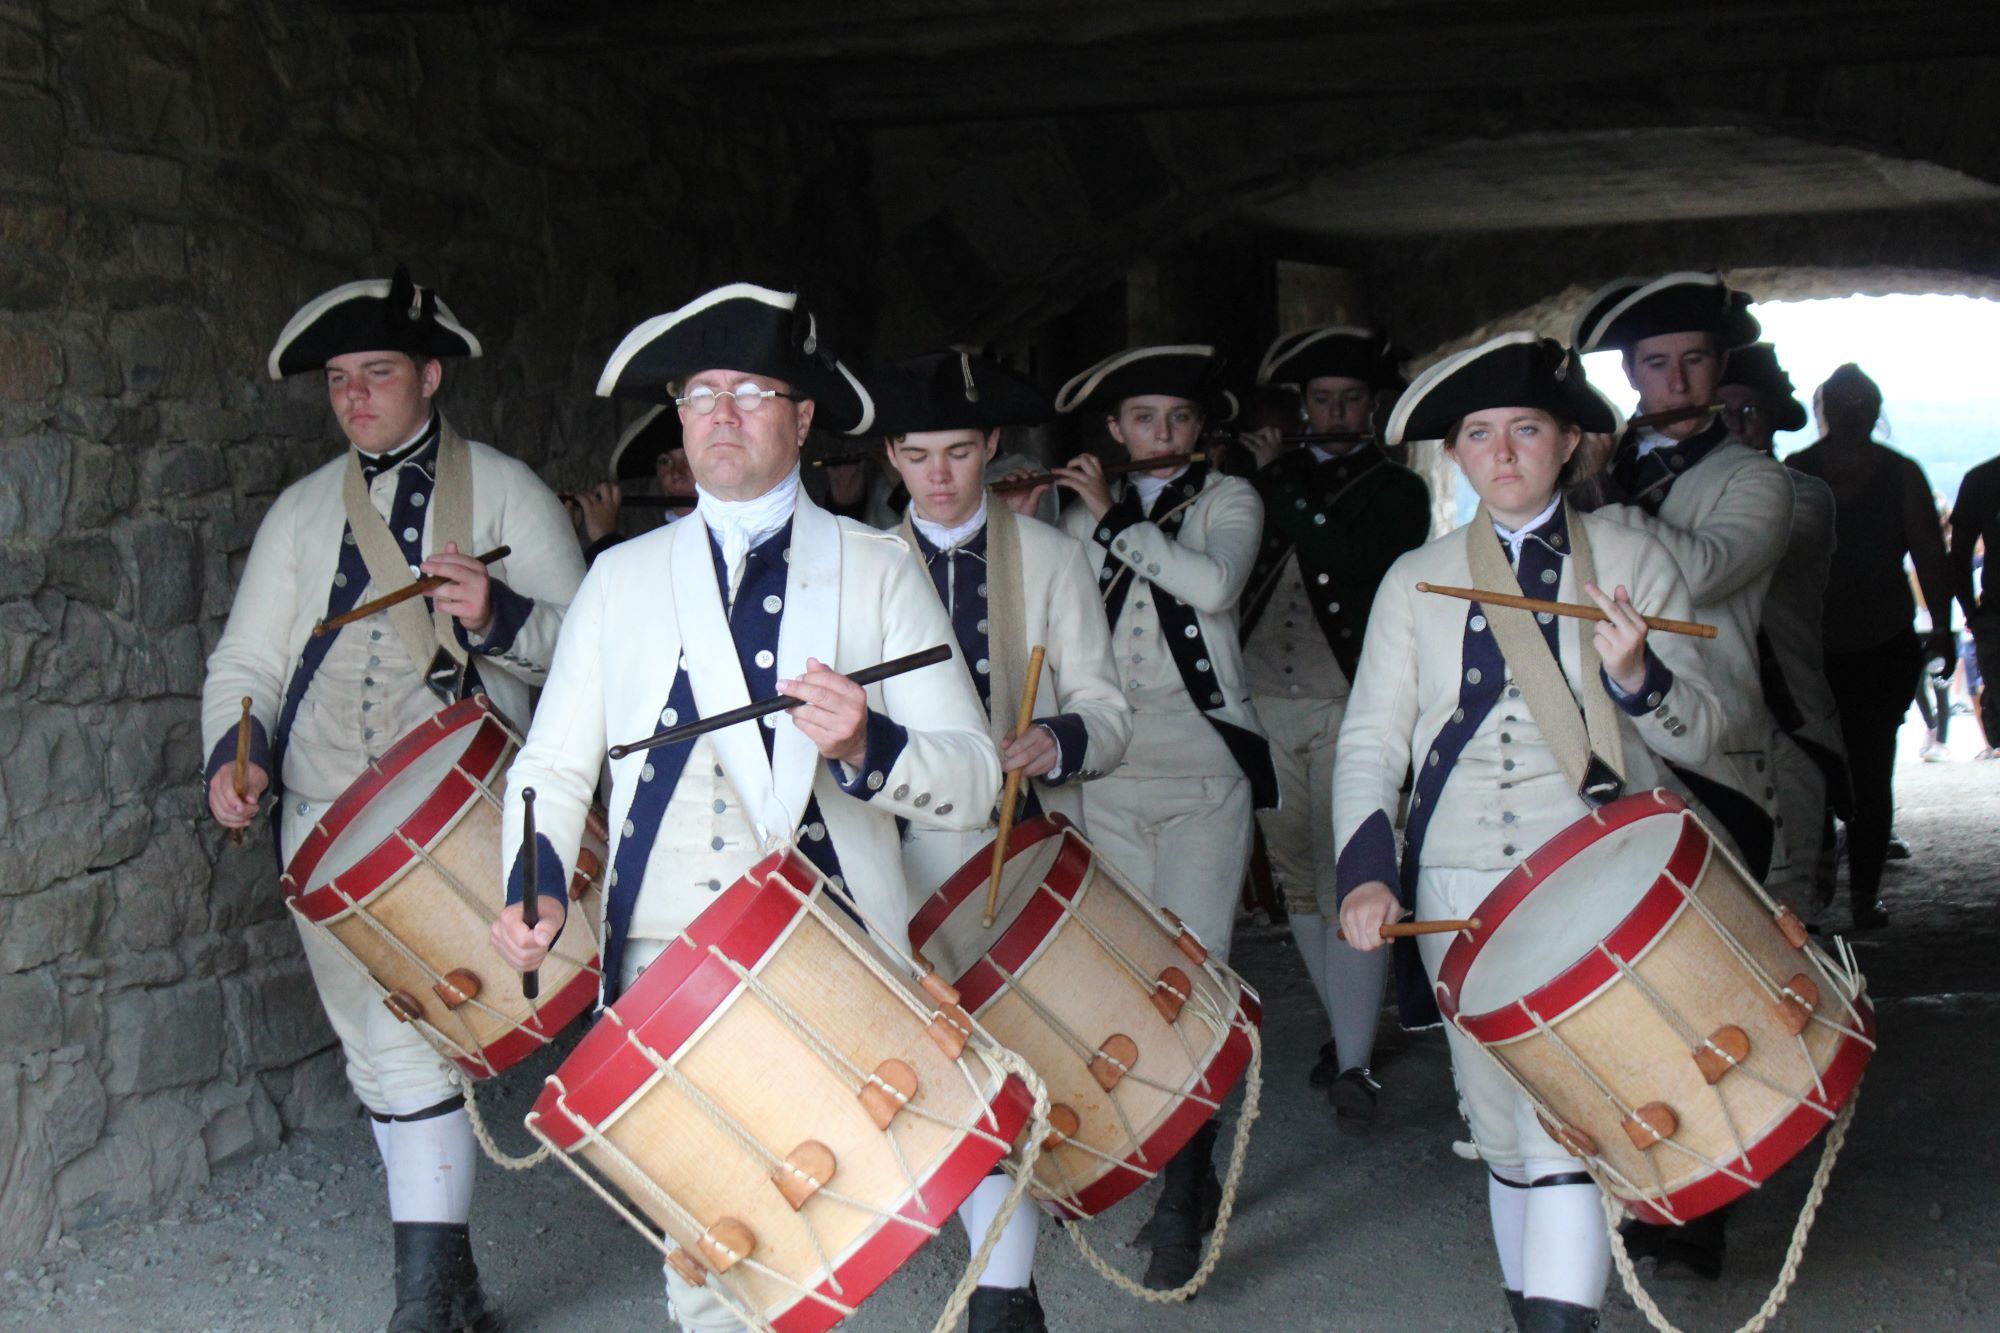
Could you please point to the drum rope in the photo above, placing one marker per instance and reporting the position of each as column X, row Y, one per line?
column 497, row 1155
column 1023, row 1173
column 1794, row 1253
column 450, row 1048
column 1212, row 1004
column 480, row 907
column 1253, row 1089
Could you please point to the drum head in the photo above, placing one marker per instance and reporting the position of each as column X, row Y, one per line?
column 1551, row 912
column 948, row 928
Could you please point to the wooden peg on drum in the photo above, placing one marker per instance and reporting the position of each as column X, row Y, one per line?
column 1397, row 930
column 531, row 907
column 1012, row 792
column 240, row 777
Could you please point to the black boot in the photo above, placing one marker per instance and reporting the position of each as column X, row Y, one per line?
column 1176, row 1224
column 1354, row 1096
column 1695, row 1250
column 1542, row 1314
column 1005, row 1310
column 1642, row 1239
column 1211, row 1205
column 1869, row 915
column 1516, row 1303
column 437, row 1283
column 1328, row 1068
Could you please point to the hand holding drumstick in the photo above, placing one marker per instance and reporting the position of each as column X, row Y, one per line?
column 1368, row 918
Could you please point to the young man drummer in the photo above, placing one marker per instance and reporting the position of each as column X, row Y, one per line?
column 1172, row 548
column 1009, row 583
column 408, row 497
column 1337, row 513
column 758, row 592
column 1481, row 703
column 1722, row 509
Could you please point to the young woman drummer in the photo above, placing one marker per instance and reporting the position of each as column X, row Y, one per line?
column 1483, row 702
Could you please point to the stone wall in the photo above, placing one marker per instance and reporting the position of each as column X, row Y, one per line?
column 174, row 180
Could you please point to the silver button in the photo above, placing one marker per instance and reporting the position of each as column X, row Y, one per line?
column 1201, row 664
column 715, row 844
column 611, row 880
column 1216, row 697
column 340, row 580
column 1507, row 764
column 715, row 886
column 669, row 716
column 922, row 800
column 774, row 604
column 944, row 809
column 418, row 499
column 1191, row 631
column 1152, row 569
column 982, row 666
column 368, row 733
column 374, row 634
column 982, row 590
column 1434, row 758
column 1472, row 676
column 1319, row 520
column 1333, row 608
column 875, row 782
column 721, row 807
column 1325, row 579
column 770, row 721
column 1507, row 817
column 816, row 831
column 374, row 661
column 1299, row 503
column 1513, row 691
column 416, row 570
column 1544, row 616
column 646, row 773
column 838, row 882
column 982, row 627
column 347, row 538
column 1653, row 699
column 1548, row 576
column 1508, row 850
column 368, row 704
column 369, row 681
column 303, row 807
column 1478, row 622
column 1458, row 715
column 765, row 657
column 902, row 791
column 409, row 534
column 628, row 827
column 718, row 770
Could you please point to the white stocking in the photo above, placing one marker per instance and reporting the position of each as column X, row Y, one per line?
column 1566, row 1251
column 1354, row 985
column 1507, row 1204
column 1012, row 1262
column 430, row 1164
column 1309, row 933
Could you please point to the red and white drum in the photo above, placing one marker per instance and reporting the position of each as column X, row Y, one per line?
column 1677, row 1029
column 1138, row 1034
column 790, row 1115
column 404, row 872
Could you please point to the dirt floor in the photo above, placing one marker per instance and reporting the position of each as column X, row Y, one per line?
column 1383, row 1232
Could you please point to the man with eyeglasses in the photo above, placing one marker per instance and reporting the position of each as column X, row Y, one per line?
column 758, row 592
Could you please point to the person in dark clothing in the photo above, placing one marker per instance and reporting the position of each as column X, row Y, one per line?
column 1873, row 655
column 1975, row 518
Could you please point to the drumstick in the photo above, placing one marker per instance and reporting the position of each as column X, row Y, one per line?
column 241, row 776
column 777, row 703
column 1397, row 930
column 1575, row 610
column 531, row 909
column 1012, row 792
column 430, row 583
column 1035, row 479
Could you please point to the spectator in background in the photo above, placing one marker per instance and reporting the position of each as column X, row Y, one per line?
column 1873, row 654
column 1975, row 524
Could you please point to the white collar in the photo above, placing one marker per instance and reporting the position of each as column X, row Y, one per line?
column 1652, row 439
column 1517, row 536
column 740, row 524
column 1149, row 487
column 946, row 539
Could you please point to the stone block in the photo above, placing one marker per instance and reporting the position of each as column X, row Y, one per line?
column 160, row 893
column 243, row 87
column 144, row 182
column 31, row 366
column 54, row 923
column 35, row 225
column 31, row 135
column 70, row 1103
column 273, row 1017
column 30, row 1012
column 34, row 480
column 164, row 354
column 165, row 1038
column 21, row 630
column 102, row 485
column 128, row 83
column 240, row 1121
column 244, row 891
column 31, row 282
column 152, row 1151
column 88, row 569
column 315, row 1092
column 27, row 1173
column 55, row 762
column 166, row 558
column 21, row 572
column 22, row 56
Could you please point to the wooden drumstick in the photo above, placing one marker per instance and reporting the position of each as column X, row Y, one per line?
column 531, row 907
column 1575, row 610
column 1397, row 930
column 1012, row 791
column 240, row 777
column 429, row 583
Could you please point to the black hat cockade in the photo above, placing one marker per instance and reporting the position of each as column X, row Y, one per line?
column 372, row 315
column 1513, row 370
column 1621, row 314
column 1756, row 367
column 953, row 391
column 644, row 442
column 1188, row 370
column 739, row 327
column 1335, row 351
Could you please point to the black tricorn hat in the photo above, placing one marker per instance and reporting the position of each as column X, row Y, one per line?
column 1187, row 370
column 1756, row 367
column 1343, row 351
column 738, row 327
column 1513, row 370
column 372, row 315
column 1630, row 310
column 639, row 448
column 953, row 391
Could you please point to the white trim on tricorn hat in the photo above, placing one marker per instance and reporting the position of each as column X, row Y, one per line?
column 953, row 390
column 441, row 335
column 1198, row 380
column 1383, row 359
column 738, row 326
column 1538, row 357
column 648, row 424
column 1596, row 326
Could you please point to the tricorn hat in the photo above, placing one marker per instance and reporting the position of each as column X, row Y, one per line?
column 738, row 327
column 1513, row 370
column 1626, row 312
column 1188, row 370
column 639, row 448
column 1756, row 367
column 1342, row 351
column 373, row 315
column 953, row 391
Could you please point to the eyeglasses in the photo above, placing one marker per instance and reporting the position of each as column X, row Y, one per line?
column 746, row 396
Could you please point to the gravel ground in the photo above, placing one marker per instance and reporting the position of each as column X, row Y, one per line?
column 1382, row 1232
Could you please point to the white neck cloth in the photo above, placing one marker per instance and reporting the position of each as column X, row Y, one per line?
column 1519, row 535
column 944, row 538
column 1149, row 488
column 741, row 524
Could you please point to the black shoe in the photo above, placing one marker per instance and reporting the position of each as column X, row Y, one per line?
column 1327, row 1069
column 1695, row 1250
column 1642, row 1239
column 1354, row 1096
column 1210, row 1192
column 1542, row 1314
column 1177, row 1218
column 1869, row 916
column 1898, row 849
column 437, row 1282
column 1005, row 1310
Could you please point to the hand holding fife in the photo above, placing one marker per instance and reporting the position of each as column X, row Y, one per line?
column 833, row 713
column 1265, row 444
column 1025, row 500
column 229, row 809
column 1365, row 911
column 467, row 592
column 1620, row 638
column 520, row 948
column 1084, row 474
column 597, row 508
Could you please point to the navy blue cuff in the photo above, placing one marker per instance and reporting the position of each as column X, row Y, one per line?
column 1652, row 690
column 550, row 882
column 1116, row 520
column 1369, row 855
column 886, row 740
column 1072, row 741
column 224, row 753
column 510, row 611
